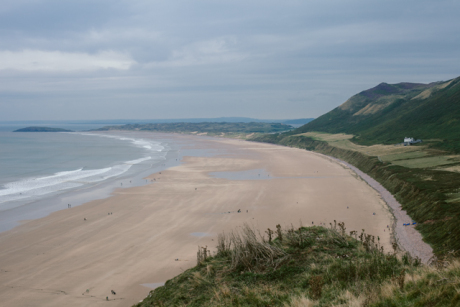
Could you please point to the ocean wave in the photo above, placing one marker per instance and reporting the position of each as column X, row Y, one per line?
column 31, row 187
column 38, row 186
column 142, row 143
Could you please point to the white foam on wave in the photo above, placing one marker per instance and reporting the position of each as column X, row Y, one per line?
column 142, row 143
column 32, row 187
column 61, row 181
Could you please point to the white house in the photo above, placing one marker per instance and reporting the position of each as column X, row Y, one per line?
column 408, row 140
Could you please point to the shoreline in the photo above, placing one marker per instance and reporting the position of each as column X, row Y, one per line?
column 152, row 225
column 56, row 201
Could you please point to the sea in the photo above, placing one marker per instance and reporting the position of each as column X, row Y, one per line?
column 42, row 172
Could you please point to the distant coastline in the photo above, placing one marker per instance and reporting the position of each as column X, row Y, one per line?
column 42, row 129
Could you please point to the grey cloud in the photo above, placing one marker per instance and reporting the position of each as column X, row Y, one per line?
column 209, row 58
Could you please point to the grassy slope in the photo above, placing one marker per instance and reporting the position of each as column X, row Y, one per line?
column 341, row 119
column 435, row 117
column 311, row 266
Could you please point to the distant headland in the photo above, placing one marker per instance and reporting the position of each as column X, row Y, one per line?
column 42, row 129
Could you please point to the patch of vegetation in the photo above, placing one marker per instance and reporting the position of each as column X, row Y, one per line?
column 426, row 194
column 42, row 129
column 415, row 156
column 307, row 266
column 426, row 162
column 387, row 113
column 208, row 128
column 404, row 156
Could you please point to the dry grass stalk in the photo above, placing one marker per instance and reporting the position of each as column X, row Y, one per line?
column 279, row 232
column 202, row 254
column 300, row 301
column 269, row 232
column 342, row 228
column 354, row 233
column 352, row 300
column 249, row 252
column 223, row 243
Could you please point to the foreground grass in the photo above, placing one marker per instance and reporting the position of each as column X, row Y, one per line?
column 311, row 266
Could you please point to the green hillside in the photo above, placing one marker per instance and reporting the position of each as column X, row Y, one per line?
column 389, row 112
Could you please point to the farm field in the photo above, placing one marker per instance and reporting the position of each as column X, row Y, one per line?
column 418, row 156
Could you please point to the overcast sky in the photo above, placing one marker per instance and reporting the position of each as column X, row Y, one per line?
column 147, row 59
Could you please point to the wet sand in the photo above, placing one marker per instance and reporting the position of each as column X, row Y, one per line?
column 63, row 260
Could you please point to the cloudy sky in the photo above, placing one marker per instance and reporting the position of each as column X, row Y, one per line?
column 148, row 59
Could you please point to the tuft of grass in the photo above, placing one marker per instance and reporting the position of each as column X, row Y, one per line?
column 251, row 253
column 425, row 286
column 300, row 301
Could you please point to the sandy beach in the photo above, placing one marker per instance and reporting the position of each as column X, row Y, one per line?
column 153, row 231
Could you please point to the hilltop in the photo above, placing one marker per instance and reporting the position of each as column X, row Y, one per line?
column 387, row 113
column 42, row 129
column 307, row 266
